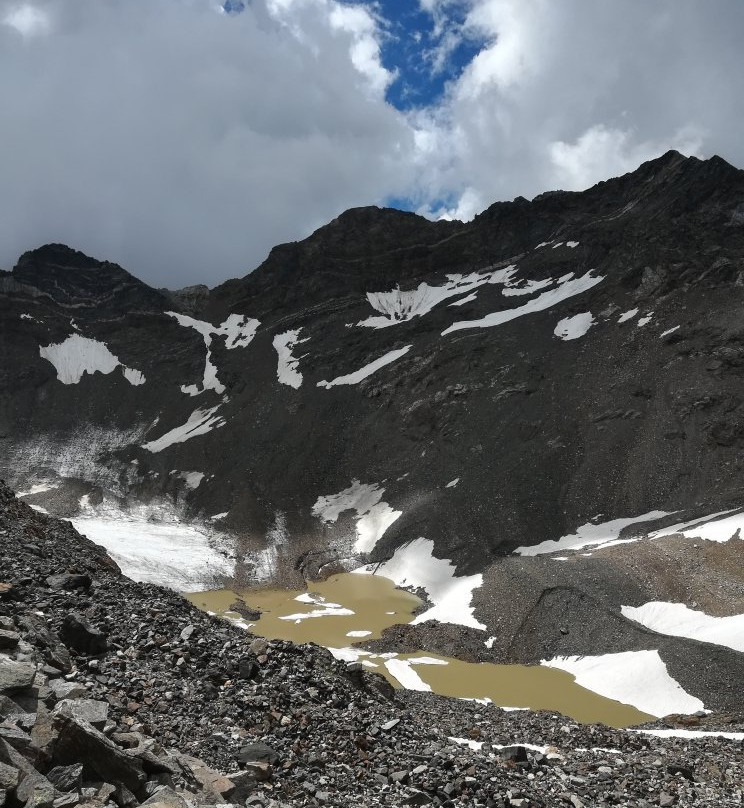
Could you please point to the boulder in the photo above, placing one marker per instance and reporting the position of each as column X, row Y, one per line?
column 258, row 753
column 166, row 797
column 78, row 741
column 79, row 634
column 8, row 639
column 15, row 676
column 69, row 581
column 66, row 778
column 62, row 689
column 90, row 711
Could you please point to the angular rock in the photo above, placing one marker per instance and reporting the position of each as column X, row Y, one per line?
column 66, row 778
column 90, row 711
column 16, row 737
column 79, row 634
column 69, row 581
column 79, row 742
column 9, row 777
column 62, row 689
column 258, row 753
column 8, row 639
column 15, row 676
column 166, row 797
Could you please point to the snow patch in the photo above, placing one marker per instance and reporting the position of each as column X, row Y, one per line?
column 669, row 331
column 645, row 320
column 199, row 423
column 467, row 299
column 526, row 288
column 708, row 528
column 238, row 330
column 39, row 488
column 414, row 565
column 399, row 306
column 193, row 479
column 374, row 517
column 546, row 300
column 78, row 355
column 402, row 671
column 574, row 327
column 617, row 676
column 167, row 553
column 358, row 633
column 287, row 368
column 590, row 535
column 572, row 244
column 452, row 483
column 628, row 315
column 367, row 370
column 678, row 620
column 690, row 733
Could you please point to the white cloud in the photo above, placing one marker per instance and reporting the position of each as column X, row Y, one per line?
column 604, row 152
column 26, row 19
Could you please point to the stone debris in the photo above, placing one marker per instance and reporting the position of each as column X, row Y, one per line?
column 117, row 694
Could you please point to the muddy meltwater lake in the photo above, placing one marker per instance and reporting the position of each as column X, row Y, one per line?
column 348, row 609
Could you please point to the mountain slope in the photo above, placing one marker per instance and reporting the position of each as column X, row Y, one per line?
column 489, row 386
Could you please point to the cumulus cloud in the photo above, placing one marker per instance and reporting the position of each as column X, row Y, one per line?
column 184, row 143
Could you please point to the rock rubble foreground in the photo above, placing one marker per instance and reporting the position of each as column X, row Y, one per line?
column 115, row 694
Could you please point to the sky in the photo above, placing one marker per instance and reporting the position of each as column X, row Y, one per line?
column 183, row 139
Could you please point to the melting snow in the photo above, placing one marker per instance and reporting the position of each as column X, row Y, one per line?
column 589, row 535
column 287, row 368
column 574, row 327
column 401, row 669
column 169, row 554
column 543, row 301
column 690, row 733
column 358, row 633
column 617, row 676
column 467, row 299
column 628, row 315
column 709, row 528
column 367, row 370
column 199, row 423
column 678, row 620
column 526, row 288
column 39, row 488
column 414, row 565
column 239, row 330
column 399, row 306
column 193, row 479
column 373, row 516
column 78, row 355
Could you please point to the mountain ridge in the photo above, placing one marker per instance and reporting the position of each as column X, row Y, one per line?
column 493, row 390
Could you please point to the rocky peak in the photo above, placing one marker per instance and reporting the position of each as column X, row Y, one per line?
column 71, row 277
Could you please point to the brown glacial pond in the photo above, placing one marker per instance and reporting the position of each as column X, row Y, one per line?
column 351, row 608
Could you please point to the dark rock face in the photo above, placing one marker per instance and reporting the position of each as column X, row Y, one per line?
column 542, row 432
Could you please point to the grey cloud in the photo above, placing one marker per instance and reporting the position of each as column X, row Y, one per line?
column 184, row 144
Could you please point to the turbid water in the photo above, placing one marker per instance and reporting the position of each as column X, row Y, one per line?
column 350, row 608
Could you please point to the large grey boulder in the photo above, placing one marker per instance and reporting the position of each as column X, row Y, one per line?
column 15, row 676
column 79, row 741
